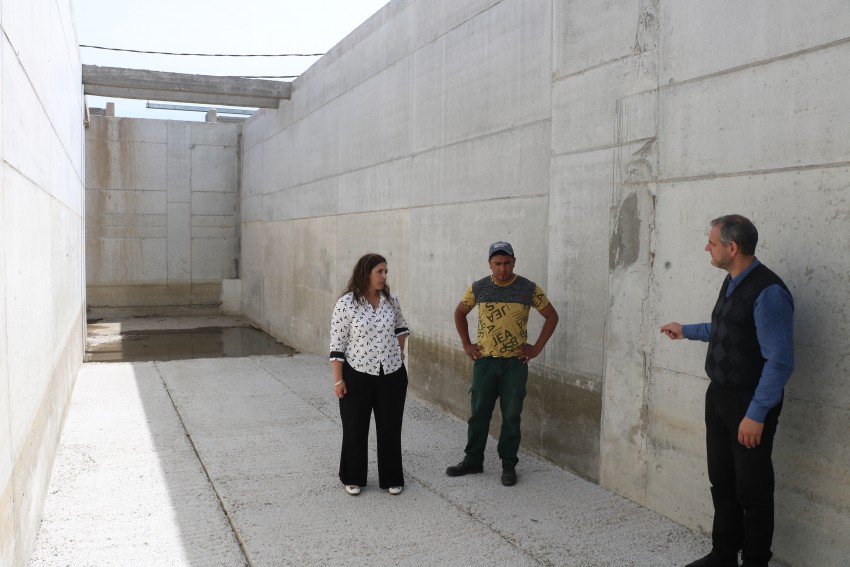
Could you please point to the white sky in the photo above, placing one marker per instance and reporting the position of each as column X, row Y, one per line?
column 211, row 26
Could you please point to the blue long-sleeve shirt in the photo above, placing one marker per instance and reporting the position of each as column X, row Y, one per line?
column 774, row 316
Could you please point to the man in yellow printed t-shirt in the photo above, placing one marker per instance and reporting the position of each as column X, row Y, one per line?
column 501, row 355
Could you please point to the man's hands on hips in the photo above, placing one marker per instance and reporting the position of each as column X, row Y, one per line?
column 749, row 433
column 473, row 351
column 527, row 352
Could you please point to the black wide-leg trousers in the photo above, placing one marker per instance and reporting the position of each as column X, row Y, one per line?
column 384, row 395
column 742, row 479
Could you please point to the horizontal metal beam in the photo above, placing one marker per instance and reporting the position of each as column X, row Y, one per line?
column 184, row 107
column 179, row 87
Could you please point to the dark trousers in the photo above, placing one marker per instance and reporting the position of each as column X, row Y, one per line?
column 505, row 379
column 385, row 395
column 741, row 479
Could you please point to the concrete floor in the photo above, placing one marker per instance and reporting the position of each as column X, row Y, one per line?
column 233, row 461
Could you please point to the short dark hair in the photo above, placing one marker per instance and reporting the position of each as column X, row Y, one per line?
column 738, row 229
column 358, row 285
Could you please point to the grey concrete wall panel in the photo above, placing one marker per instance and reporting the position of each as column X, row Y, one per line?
column 116, row 129
column 29, row 326
column 41, row 326
column 511, row 163
column 213, row 259
column 313, row 295
column 118, row 202
column 214, row 168
column 589, row 38
column 253, row 171
column 812, row 485
column 277, row 256
column 252, row 209
column 585, row 106
column 383, row 186
column 374, row 119
column 223, row 204
column 26, row 26
column 179, row 254
column 376, row 51
column 213, row 221
column 434, row 19
column 762, row 118
column 107, row 219
column 317, row 154
column 159, row 245
column 675, row 451
column 26, row 129
column 276, row 172
column 494, row 77
column 213, row 231
column 7, row 453
column 315, row 199
column 64, row 176
column 111, row 261
column 770, row 30
column 126, row 165
column 218, row 134
column 579, row 202
column 130, row 231
column 428, row 106
column 178, row 166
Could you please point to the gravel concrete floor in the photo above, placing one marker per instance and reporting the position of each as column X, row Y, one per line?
column 233, row 461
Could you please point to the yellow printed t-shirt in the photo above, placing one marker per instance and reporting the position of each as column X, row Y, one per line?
column 503, row 313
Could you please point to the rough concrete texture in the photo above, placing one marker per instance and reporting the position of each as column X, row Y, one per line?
column 161, row 212
column 41, row 255
column 233, row 462
column 600, row 139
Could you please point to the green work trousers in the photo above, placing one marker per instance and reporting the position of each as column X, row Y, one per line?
column 505, row 379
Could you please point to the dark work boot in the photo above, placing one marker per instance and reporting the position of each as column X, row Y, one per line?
column 462, row 468
column 715, row 560
column 509, row 475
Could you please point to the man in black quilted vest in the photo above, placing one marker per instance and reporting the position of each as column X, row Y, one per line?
column 750, row 358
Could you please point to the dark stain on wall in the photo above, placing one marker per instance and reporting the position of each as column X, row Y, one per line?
column 560, row 421
column 624, row 247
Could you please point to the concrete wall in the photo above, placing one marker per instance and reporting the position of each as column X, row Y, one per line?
column 161, row 205
column 41, row 255
column 600, row 139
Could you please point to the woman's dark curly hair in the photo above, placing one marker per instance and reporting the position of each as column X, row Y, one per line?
column 358, row 285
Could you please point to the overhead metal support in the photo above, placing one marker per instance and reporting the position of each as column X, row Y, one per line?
column 158, row 106
column 179, row 87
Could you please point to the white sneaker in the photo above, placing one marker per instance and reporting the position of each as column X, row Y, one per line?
column 396, row 490
column 352, row 489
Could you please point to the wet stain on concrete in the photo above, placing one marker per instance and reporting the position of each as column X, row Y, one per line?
column 211, row 342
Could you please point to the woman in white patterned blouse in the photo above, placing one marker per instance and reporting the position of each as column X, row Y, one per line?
column 368, row 332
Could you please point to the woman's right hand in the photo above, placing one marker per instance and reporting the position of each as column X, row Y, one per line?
column 339, row 389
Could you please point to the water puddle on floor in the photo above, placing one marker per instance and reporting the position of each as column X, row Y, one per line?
column 212, row 342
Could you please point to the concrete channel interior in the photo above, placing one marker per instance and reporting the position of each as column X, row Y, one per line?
column 598, row 140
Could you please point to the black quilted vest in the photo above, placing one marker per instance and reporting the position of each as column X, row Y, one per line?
column 734, row 357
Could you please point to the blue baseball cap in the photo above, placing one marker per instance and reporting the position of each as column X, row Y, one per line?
column 501, row 247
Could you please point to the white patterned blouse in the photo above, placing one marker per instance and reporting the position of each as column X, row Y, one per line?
column 366, row 337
